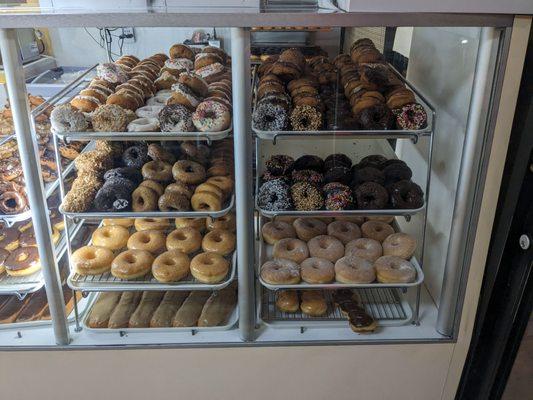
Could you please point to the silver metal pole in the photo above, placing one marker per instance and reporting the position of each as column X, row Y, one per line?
column 242, row 141
column 28, row 150
column 474, row 137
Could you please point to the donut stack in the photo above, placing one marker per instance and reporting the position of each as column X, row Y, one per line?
column 321, row 251
column 310, row 183
column 200, row 96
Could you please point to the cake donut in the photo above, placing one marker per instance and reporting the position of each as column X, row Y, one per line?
column 158, row 171
column 280, row 272
column 391, row 269
column 316, row 270
column 291, row 249
column 352, row 269
column 369, row 249
column 188, row 172
column 92, row 260
column 211, row 116
column 274, row 231
column 326, row 247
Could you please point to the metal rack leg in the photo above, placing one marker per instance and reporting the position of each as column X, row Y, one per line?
column 242, row 139
column 28, row 150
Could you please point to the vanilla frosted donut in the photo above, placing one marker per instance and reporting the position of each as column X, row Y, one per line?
column 280, row 272
column 308, row 228
column 326, row 247
column 376, row 230
column 148, row 111
column 345, row 231
column 144, row 125
column 391, row 269
column 369, row 249
column 113, row 237
column 353, row 269
column 317, row 270
column 276, row 230
column 157, row 100
column 400, row 245
column 291, row 249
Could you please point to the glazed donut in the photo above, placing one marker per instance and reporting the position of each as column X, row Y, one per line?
column 187, row 240
column 369, row 249
column 148, row 111
column 143, row 125
column 211, row 116
column 159, row 171
column 400, row 245
column 112, row 237
column 152, row 241
column 345, row 231
column 280, row 272
column 153, row 185
column 317, row 270
column 132, row 264
column 144, row 199
column 223, row 182
column 376, row 230
column 195, row 223
column 171, row 266
column 291, row 249
column 287, row 301
column 209, row 267
column 188, row 172
column 226, row 222
column 125, row 222
column 179, row 188
column 210, row 188
column 22, row 261
column 391, row 269
column 219, row 241
column 313, row 303
column 205, row 201
column 352, row 269
column 172, row 201
column 308, row 228
column 327, row 247
column 274, row 231
column 158, row 224
column 9, row 238
column 92, row 260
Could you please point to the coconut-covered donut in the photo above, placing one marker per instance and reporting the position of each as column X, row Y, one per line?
column 211, row 116
column 66, row 118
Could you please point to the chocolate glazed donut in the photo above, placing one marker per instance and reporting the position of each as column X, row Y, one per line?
column 371, row 196
column 406, row 195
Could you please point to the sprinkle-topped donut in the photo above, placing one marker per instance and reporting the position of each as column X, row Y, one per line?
column 211, row 116
column 274, row 196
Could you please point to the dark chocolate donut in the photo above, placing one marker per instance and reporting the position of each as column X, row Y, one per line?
column 377, row 74
column 309, row 162
column 367, row 174
column 406, row 195
column 274, row 196
column 376, row 117
column 279, row 164
column 397, row 172
column 337, row 160
column 371, row 196
column 131, row 174
column 374, row 160
column 391, row 161
column 338, row 174
column 135, row 156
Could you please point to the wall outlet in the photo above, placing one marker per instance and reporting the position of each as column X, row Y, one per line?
column 128, row 33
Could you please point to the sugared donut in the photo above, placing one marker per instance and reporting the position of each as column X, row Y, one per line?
column 391, row 269
column 308, row 228
column 400, row 245
column 376, row 230
column 291, row 249
column 187, row 240
column 152, row 241
column 159, row 224
column 317, row 270
column 352, row 269
column 209, row 267
column 327, row 247
column 211, row 116
column 274, row 231
column 369, row 249
column 171, row 266
column 132, row 264
column 345, row 231
column 280, row 272
column 113, row 237
column 92, row 260
column 219, row 241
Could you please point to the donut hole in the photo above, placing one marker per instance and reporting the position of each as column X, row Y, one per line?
column 208, row 261
column 91, row 255
column 323, row 245
column 129, row 258
column 217, row 239
column 378, row 228
column 10, row 203
column 291, row 246
column 180, row 236
column 144, row 239
column 168, row 262
column 344, row 229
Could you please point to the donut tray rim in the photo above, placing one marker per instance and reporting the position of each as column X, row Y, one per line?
column 112, row 284
column 334, row 318
column 334, row 285
column 97, row 215
column 230, row 323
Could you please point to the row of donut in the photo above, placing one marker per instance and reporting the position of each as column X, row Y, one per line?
column 370, row 95
column 164, row 254
column 341, row 251
column 152, row 309
column 336, row 183
column 315, row 304
column 130, row 95
column 153, row 177
column 18, row 248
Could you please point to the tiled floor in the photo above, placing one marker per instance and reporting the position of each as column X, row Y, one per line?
column 520, row 383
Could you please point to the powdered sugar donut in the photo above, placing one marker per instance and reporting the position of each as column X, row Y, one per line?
column 65, row 118
column 148, row 111
column 144, row 125
column 157, row 101
column 211, row 116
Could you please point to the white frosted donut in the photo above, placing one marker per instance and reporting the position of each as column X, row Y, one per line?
column 148, row 111
column 144, row 125
column 157, row 100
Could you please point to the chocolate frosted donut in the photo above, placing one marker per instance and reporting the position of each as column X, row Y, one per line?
column 367, row 174
column 306, row 118
column 376, row 117
column 392, row 161
column 279, row 164
column 306, row 197
column 406, row 195
column 135, row 156
column 270, row 116
column 338, row 159
column 175, row 118
column 338, row 174
column 274, row 196
column 308, row 175
column 371, row 196
column 374, row 160
column 309, row 162
column 131, row 174
column 397, row 172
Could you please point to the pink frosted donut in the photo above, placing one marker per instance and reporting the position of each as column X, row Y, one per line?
column 211, row 116
column 112, row 72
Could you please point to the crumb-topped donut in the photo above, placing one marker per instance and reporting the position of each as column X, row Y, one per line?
column 280, row 272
